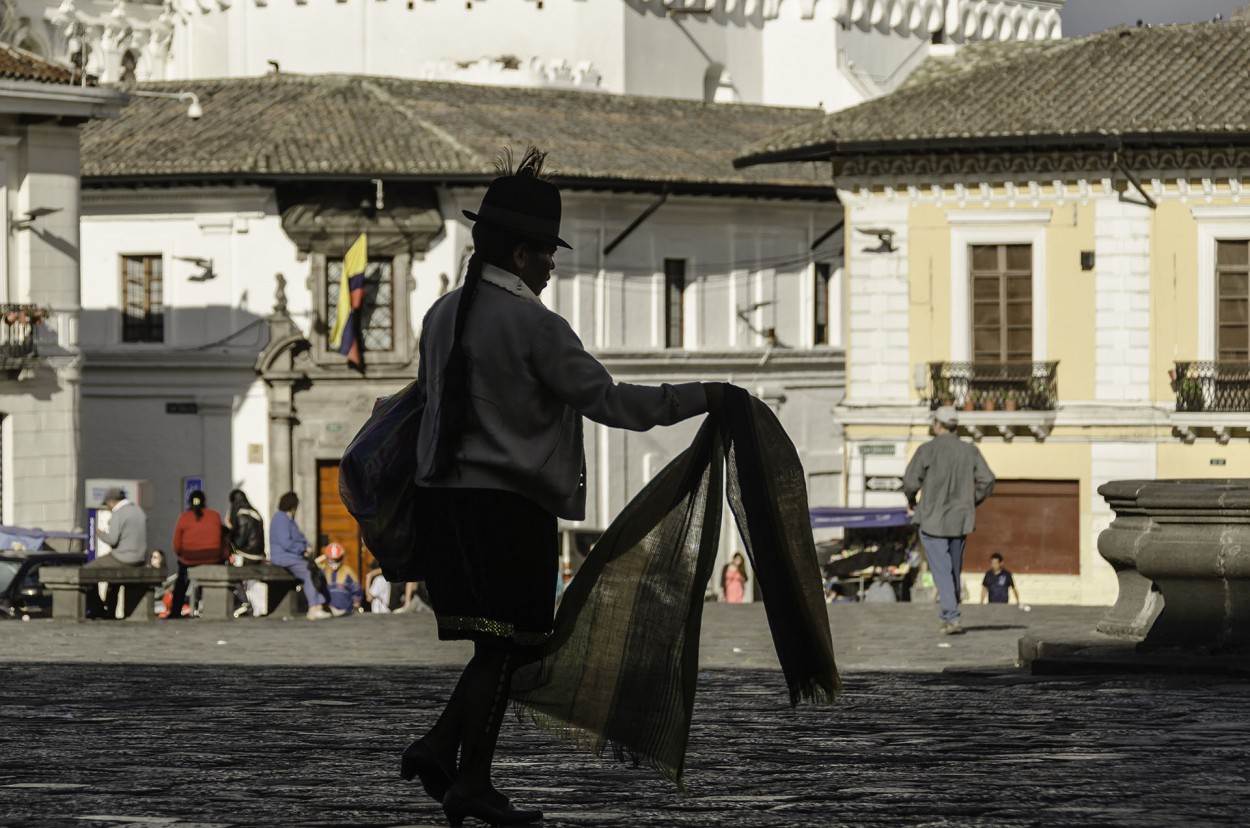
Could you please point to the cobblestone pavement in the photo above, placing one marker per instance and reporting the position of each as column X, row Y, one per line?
column 304, row 724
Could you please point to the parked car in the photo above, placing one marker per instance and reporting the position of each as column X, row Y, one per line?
column 21, row 592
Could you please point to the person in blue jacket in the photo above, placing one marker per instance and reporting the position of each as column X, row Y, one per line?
column 287, row 548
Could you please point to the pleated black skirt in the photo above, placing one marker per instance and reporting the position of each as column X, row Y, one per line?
column 492, row 559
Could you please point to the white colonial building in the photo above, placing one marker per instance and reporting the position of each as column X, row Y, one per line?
column 225, row 235
column 828, row 53
column 41, row 112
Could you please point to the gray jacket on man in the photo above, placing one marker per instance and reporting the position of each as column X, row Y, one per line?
column 955, row 479
column 127, row 533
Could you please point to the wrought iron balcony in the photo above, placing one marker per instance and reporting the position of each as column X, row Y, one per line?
column 1211, row 386
column 994, row 386
column 17, row 334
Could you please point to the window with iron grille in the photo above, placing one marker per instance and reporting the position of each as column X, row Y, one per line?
column 674, row 302
column 1002, row 302
column 143, row 317
column 820, row 329
column 377, row 309
column 1232, row 277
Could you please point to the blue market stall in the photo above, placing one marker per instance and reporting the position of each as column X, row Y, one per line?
column 879, row 545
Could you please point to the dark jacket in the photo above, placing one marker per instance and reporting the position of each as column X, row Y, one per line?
column 248, row 533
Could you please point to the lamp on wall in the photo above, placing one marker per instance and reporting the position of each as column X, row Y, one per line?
column 28, row 218
column 194, row 111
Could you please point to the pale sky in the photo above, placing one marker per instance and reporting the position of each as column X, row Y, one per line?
column 1082, row 17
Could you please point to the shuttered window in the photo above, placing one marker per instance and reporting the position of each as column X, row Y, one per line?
column 1002, row 302
column 820, row 323
column 674, row 302
column 1232, row 276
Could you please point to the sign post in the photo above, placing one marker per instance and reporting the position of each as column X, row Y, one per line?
column 189, row 485
column 878, row 449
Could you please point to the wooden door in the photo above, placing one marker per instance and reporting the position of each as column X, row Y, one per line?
column 1035, row 524
column 334, row 523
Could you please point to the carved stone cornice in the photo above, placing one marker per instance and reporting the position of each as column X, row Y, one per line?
column 921, row 168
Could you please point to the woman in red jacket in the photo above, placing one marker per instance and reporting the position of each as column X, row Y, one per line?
column 199, row 538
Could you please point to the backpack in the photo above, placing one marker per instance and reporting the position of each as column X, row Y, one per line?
column 377, row 483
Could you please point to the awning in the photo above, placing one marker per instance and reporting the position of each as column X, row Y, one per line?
column 824, row 517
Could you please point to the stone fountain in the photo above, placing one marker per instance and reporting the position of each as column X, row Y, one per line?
column 1181, row 551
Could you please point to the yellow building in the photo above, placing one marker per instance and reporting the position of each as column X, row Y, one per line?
column 1055, row 238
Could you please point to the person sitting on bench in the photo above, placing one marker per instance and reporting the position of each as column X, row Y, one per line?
column 127, row 534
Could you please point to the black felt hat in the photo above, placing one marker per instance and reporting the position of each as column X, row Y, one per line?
column 524, row 204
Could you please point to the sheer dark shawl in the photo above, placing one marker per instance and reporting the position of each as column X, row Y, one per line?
column 620, row 670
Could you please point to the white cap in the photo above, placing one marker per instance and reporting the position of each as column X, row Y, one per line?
column 945, row 414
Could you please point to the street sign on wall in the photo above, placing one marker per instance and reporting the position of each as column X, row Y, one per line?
column 877, row 448
column 189, row 485
column 884, row 484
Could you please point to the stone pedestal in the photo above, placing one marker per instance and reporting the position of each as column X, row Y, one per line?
column 1138, row 603
column 1198, row 556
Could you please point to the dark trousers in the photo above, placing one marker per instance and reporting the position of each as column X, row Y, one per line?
column 180, row 591
column 106, row 608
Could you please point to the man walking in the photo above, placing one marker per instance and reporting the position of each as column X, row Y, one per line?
column 127, row 533
column 954, row 479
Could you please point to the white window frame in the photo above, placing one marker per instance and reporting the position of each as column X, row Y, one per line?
column 1214, row 224
column 969, row 227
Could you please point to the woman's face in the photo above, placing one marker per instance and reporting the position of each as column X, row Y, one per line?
column 158, row 559
column 534, row 265
column 739, row 561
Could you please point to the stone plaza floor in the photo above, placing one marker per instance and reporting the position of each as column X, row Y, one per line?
column 292, row 723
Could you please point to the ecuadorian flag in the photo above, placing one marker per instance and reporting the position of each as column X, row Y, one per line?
column 345, row 335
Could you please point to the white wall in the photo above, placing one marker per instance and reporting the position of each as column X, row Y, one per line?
column 1122, row 301
column 241, row 233
column 214, row 330
column 877, row 285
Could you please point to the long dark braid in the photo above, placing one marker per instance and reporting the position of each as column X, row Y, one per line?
column 454, row 401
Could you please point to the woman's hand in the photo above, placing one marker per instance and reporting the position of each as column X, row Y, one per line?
column 715, row 393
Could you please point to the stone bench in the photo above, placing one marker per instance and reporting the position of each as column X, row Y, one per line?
column 1181, row 549
column 217, row 583
column 70, row 587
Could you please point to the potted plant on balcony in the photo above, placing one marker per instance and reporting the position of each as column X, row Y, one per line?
column 1189, row 394
column 971, row 399
column 1038, row 393
column 1011, row 400
column 942, row 391
column 989, row 402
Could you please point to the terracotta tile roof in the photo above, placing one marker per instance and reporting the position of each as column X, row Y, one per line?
column 20, row 65
column 1139, row 84
column 336, row 125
